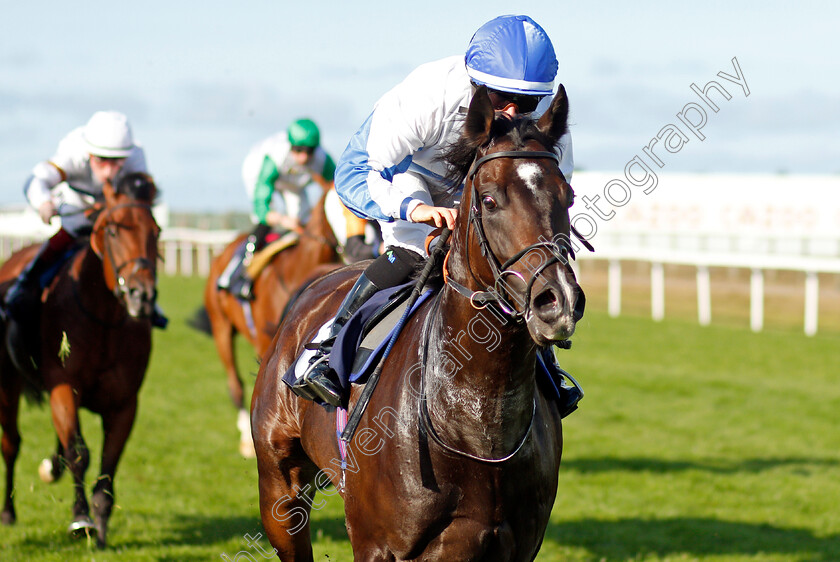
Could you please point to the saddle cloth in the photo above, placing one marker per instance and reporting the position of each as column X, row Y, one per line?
column 238, row 277
column 363, row 339
column 264, row 256
column 51, row 272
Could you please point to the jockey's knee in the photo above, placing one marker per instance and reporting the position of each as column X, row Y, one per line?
column 393, row 267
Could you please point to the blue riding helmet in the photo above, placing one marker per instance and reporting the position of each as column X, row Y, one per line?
column 512, row 54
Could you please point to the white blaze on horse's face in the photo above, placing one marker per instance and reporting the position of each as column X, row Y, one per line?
column 531, row 174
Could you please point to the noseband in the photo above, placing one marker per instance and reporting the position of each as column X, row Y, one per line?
column 499, row 295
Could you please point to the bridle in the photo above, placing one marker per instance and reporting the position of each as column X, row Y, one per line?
column 139, row 263
column 499, row 295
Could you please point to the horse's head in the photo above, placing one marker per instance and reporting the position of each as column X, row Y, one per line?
column 125, row 237
column 511, row 246
column 318, row 227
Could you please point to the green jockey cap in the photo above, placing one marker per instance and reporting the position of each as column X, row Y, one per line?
column 304, row 132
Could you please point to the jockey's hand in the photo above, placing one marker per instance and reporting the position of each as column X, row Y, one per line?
column 47, row 211
column 434, row 216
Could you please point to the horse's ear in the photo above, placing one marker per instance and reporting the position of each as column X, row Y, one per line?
column 479, row 118
column 555, row 121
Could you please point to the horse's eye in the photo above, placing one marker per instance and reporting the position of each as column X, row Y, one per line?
column 111, row 230
column 488, row 202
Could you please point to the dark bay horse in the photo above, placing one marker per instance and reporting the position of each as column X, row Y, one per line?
column 272, row 289
column 457, row 454
column 96, row 337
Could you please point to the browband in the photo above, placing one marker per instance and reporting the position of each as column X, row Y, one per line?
column 511, row 154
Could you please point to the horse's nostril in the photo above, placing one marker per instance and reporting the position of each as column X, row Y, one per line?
column 546, row 300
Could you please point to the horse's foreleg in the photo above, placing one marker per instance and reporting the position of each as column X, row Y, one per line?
column 10, row 388
column 65, row 419
column 223, row 336
column 116, row 427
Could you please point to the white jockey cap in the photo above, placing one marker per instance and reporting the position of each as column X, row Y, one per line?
column 108, row 134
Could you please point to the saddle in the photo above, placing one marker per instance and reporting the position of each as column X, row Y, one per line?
column 264, row 256
column 238, row 276
column 362, row 341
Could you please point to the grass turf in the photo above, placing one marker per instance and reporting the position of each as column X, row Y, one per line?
column 692, row 443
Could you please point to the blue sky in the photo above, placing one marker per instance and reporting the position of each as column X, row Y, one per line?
column 203, row 81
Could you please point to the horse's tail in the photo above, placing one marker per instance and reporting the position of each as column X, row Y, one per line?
column 201, row 321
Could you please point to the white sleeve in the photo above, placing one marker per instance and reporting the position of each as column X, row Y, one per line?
column 408, row 118
column 71, row 158
column 399, row 128
column 45, row 176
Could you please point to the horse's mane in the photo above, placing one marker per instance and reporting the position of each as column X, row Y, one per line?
column 459, row 155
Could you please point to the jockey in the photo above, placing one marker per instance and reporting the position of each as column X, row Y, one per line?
column 389, row 171
column 285, row 164
column 69, row 184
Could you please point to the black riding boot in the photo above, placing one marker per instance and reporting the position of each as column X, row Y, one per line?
column 159, row 319
column 256, row 242
column 570, row 394
column 25, row 291
column 251, row 247
column 320, row 381
column 240, row 261
column 22, row 305
column 226, row 278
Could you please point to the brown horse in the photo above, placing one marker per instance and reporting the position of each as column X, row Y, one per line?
column 272, row 289
column 457, row 454
column 95, row 341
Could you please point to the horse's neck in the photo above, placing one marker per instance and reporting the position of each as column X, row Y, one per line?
column 318, row 225
column 87, row 277
column 480, row 373
column 318, row 234
column 315, row 246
